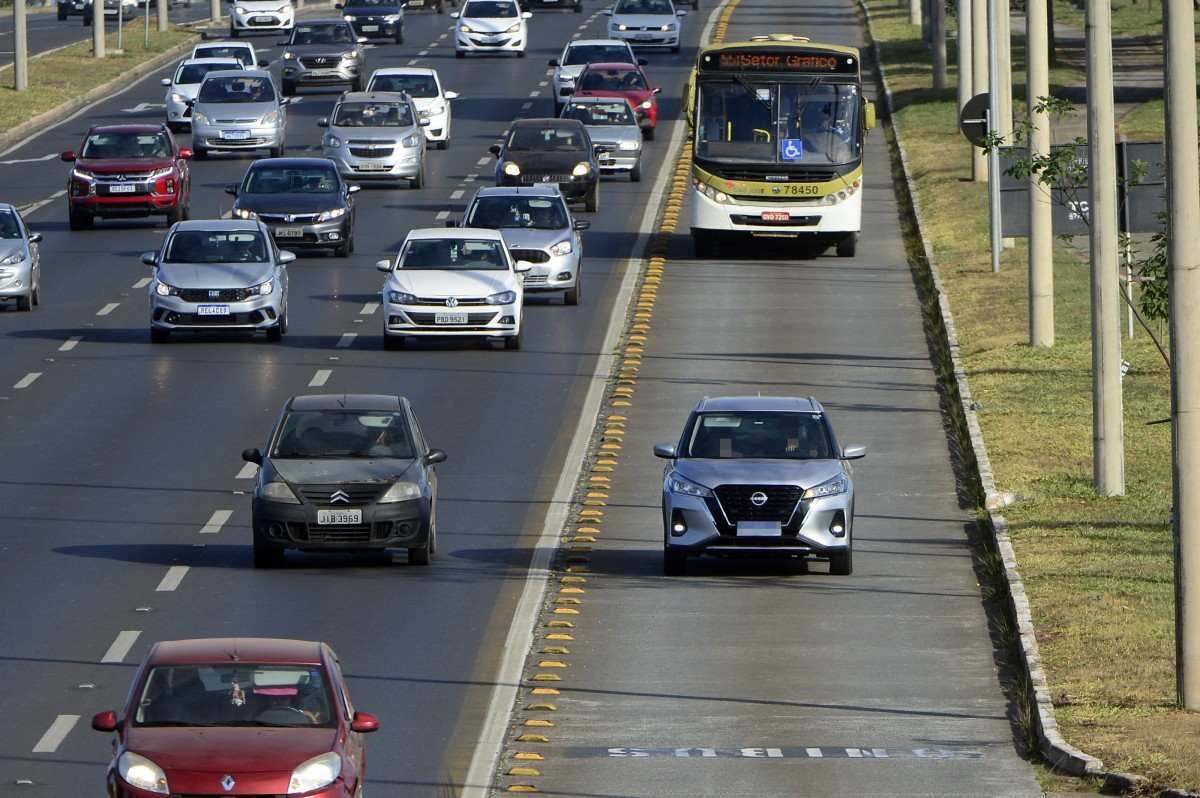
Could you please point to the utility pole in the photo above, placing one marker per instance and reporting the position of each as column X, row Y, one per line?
column 914, row 12
column 1108, row 435
column 20, row 47
column 214, row 10
column 1041, row 226
column 1004, row 122
column 966, row 85
column 98, row 29
column 161, row 10
column 1183, row 255
column 993, row 117
column 937, row 24
column 979, row 76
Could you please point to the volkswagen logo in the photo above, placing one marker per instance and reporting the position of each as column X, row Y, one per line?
column 344, row 497
column 758, row 498
column 227, row 783
column 451, row 302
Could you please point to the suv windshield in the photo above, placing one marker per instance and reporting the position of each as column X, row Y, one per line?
column 291, row 180
column 415, row 85
column 490, row 9
column 127, row 145
column 9, row 228
column 600, row 113
column 315, row 434
column 545, row 139
column 216, row 246
column 237, row 694
column 373, row 114
column 238, row 52
column 612, row 80
column 194, row 73
column 645, row 7
column 454, row 254
column 236, row 89
column 532, row 213
column 597, row 54
column 333, row 33
column 769, row 435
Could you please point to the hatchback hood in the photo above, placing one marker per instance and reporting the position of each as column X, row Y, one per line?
column 557, row 162
column 805, row 473
column 215, row 111
column 491, row 25
column 260, row 5
column 652, row 21
column 388, row 134
column 108, row 166
column 571, row 72
column 331, row 472
column 288, row 203
column 446, row 283
column 311, row 50
column 634, row 96
column 214, row 275
column 374, row 11
column 229, row 749
column 186, row 90
column 524, row 238
column 8, row 249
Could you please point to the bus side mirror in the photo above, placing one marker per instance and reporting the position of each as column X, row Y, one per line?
column 869, row 116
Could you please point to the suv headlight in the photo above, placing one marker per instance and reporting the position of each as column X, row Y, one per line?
column 14, row 258
column 502, row 298
column 410, row 141
column 334, row 213
column 401, row 492
column 242, row 213
column 276, row 491
column 262, row 289
column 581, row 169
column 79, row 174
column 332, row 141
column 401, row 298
column 630, row 145
column 288, row 55
column 393, row 18
column 176, row 97
column 830, row 487
column 318, row 772
column 140, row 772
column 514, row 28
column 511, row 169
column 678, row 484
column 347, row 17
column 162, row 289
column 350, row 56
column 437, row 109
column 646, row 105
column 562, row 248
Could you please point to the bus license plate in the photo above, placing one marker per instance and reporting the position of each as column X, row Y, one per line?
column 776, row 216
column 450, row 318
column 336, row 517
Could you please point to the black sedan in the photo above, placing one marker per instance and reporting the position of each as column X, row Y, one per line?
column 345, row 472
column 551, row 151
column 375, row 19
column 303, row 201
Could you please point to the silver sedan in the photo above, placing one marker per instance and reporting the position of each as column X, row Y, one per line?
column 611, row 122
column 20, row 262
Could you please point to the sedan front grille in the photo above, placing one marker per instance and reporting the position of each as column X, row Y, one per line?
column 531, row 255
column 358, row 493
column 296, row 218
column 738, row 502
column 213, row 294
column 441, row 301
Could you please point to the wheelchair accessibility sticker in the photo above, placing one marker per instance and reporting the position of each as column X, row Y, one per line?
column 791, row 149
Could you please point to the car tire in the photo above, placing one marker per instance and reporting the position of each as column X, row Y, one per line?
column 558, row 108
column 159, row 336
column 275, row 333
column 394, row 343
column 674, row 562
column 234, row 32
column 440, row 10
column 400, row 35
column 87, row 21
column 675, row 49
column 266, row 555
column 289, row 88
column 176, row 214
column 842, row 564
column 277, row 152
column 356, row 84
column 571, row 295
column 200, row 154
column 36, row 296
column 459, row 54
column 62, row 14
column 591, row 202
column 422, row 555
column 848, row 246
column 344, row 249
column 513, row 341
column 419, row 180
column 25, row 303
column 520, row 53
column 578, row 9
column 80, row 220
column 635, row 174
column 648, row 134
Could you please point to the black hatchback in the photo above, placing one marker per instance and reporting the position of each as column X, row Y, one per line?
column 538, row 152
column 345, row 472
column 375, row 19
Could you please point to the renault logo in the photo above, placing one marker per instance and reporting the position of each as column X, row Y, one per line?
column 758, row 498
column 227, row 783
column 451, row 302
column 339, row 496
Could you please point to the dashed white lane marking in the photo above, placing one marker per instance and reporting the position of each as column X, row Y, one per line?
column 171, row 580
column 456, row 194
column 369, row 308
column 218, row 519
column 576, row 35
column 441, row 38
column 534, row 93
column 120, row 647
column 320, row 378
column 27, row 380
column 109, row 308
column 33, row 206
column 526, row 106
column 470, row 178
column 347, row 340
column 54, row 736
column 413, row 61
column 483, row 161
column 70, row 343
column 142, row 283
column 815, row 753
column 423, row 53
column 248, row 471
column 442, row 216
column 543, row 83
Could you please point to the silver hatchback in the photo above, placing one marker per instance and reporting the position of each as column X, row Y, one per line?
column 218, row 274
column 611, row 122
column 376, row 136
column 20, row 261
column 237, row 111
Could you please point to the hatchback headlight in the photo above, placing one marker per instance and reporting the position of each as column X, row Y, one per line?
column 410, row 141
column 562, row 248
column 262, row 289
column 199, row 118
column 279, row 492
column 581, row 169
column 240, row 11
column 669, row 26
column 401, row 492
column 332, row 141
column 502, row 298
column 347, row 17
column 514, row 28
column 622, row 27
column 318, row 772
column 678, row 484
column 334, row 213
column 162, row 289
column 645, row 105
column 242, row 213
column 511, row 169
column 393, row 18
column 830, row 487
column 141, row 773
column 270, row 118
column 465, row 28
column 176, row 97
column 14, row 258
column 630, row 145
column 288, row 56
column 401, row 298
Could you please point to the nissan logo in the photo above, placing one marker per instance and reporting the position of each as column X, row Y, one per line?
column 758, row 498
column 343, row 497
column 451, row 302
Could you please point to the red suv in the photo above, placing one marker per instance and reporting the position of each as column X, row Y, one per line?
column 622, row 80
column 128, row 170
column 238, row 716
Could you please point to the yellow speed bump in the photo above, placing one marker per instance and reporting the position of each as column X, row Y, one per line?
column 560, row 625
column 522, row 788
column 572, row 580
column 583, row 539
column 528, row 756
column 540, row 723
column 558, row 651
column 622, row 403
column 578, row 569
column 565, row 611
column 546, row 677
column 568, row 600
column 572, row 590
column 592, row 513
column 523, row 771
column 533, row 738
column 552, row 663
column 587, row 530
column 542, row 707
column 544, row 691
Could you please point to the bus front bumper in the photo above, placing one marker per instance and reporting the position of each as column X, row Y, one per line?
column 777, row 218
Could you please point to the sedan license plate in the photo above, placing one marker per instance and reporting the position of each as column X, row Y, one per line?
column 370, row 28
column 336, row 517
column 289, row 232
column 759, row 529
column 450, row 318
column 235, row 134
column 776, row 216
column 122, row 188
column 416, row 3
column 212, row 310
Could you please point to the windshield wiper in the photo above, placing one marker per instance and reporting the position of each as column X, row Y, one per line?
column 746, row 87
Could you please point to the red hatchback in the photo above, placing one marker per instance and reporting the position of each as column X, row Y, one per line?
column 238, row 716
column 128, row 170
column 622, row 80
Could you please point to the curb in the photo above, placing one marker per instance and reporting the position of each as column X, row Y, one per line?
column 1056, row 750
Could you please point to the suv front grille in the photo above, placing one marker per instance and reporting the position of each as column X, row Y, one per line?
column 779, row 506
column 359, row 493
column 533, row 180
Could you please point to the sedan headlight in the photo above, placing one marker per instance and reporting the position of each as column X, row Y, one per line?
column 199, row 118
column 162, row 289
column 514, row 28
column 279, row 492
column 240, row 11
column 830, row 487
column 332, row 141
column 392, row 18
column 678, row 484
column 646, row 105
column 334, row 213
column 630, row 145
column 502, row 298
column 318, row 772
column 511, row 169
column 668, row 26
column 401, row 298
column 622, row 27
column 410, row 141
column 262, row 289
column 401, row 492
column 347, row 17
column 288, row 56
column 465, row 28
column 140, row 772
column 14, row 258
column 562, row 248
column 176, row 97
column 581, row 169
column 242, row 213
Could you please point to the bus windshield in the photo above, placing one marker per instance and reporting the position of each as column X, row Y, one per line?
column 749, row 120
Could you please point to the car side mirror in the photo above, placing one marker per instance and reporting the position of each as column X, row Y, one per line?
column 451, row 95
column 681, row 13
column 643, row 62
column 285, row 101
column 383, row 265
column 150, row 258
column 252, row 456
column 364, row 723
column 323, row 122
column 353, row 188
column 494, row 150
column 526, row 15
column 165, row 82
column 105, row 721
column 186, row 153
column 552, row 62
column 338, row 6
column 35, row 238
column 522, row 266
column 68, row 156
column 286, row 256
column 423, row 123
column 656, row 90
column 264, row 62
column 231, row 189
column 580, row 224
column 664, row 450
column 435, row 456
column 854, row 452
column 453, row 15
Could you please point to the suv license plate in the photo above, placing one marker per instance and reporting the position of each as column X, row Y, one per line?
column 122, row 188
column 374, row 166
column 235, row 134
column 370, row 28
column 450, row 318
column 289, row 232
column 336, row 517
column 776, row 216
column 212, row 310
column 759, row 529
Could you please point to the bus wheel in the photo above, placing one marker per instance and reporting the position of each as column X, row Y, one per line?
column 705, row 243
column 848, row 246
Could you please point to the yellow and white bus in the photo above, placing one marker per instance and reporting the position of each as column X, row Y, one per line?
column 778, row 125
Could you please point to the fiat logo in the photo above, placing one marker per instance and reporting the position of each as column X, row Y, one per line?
column 451, row 302
column 758, row 498
column 227, row 783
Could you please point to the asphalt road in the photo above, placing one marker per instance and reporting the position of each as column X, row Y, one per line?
column 120, row 459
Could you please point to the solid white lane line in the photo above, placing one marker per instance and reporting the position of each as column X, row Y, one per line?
column 142, row 283
column 248, row 471
column 48, row 157
column 54, row 736
column 70, row 343
column 27, row 380
column 109, row 308
column 347, row 340
column 442, row 216
column 174, row 576
column 456, row 194
column 320, row 378
column 483, row 162
column 441, row 38
column 369, row 308
column 218, row 520
column 120, row 647
column 526, row 106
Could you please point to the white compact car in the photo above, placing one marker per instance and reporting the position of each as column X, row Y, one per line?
column 248, row 16
column 183, row 87
column 491, row 26
column 426, row 90
column 230, row 51
column 646, row 23
column 459, row 282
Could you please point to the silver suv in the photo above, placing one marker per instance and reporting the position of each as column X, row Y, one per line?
column 218, row 274
column 376, row 136
column 323, row 52
column 758, row 475
column 238, row 111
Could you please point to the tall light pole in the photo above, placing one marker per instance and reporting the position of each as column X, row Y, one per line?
column 979, row 76
column 1004, row 124
column 20, row 47
column 966, row 86
column 161, row 12
column 1108, row 433
column 214, row 10
column 98, row 29
column 1183, row 254
column 1041, row 227
column 937, row 26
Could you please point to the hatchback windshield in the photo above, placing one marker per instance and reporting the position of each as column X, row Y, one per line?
column 9, row 228
column 454, row 254
column 372, row 114
column 771, row 436
column 241, row 53
column 236, row 694
column 216, row 246
column 490, row 9
column 415, row 85
column 291, row 180
column 533, row 213
column 597, row 114
column 612, row 80
column 314, row 434
column 236, row 89
column 323, row 34
column 597, row 54
column 644, row 7
column 194, row 73
column 545, row 139
column 371, row 3
column 127, row 145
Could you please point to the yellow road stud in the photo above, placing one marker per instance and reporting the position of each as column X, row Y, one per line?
column 523, row 771
column 528, row 756
column 533, row 738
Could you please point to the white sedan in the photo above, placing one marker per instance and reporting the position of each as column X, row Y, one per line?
column 491, row 26
column 425, row 88
column 459, row 282
column 646, row 23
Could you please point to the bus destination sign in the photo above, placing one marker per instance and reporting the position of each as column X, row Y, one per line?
column 781, row 60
